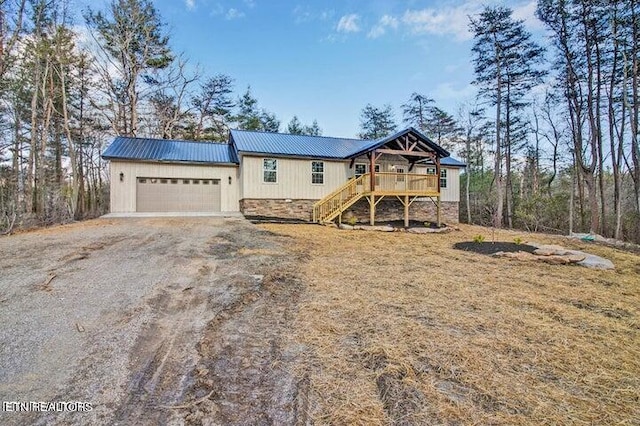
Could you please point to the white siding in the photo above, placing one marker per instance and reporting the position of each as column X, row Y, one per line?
column 294, row 179
column 123, row 194
column 452, row 191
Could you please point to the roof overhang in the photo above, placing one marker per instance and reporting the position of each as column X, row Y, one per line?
column 409, row 143
column 293, row 156
column 183, row 163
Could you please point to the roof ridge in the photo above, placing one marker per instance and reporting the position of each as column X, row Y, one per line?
column 309, row 136
column 209, row 142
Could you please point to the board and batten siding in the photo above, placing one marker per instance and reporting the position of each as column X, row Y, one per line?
column 123, row 194
column 294, row 179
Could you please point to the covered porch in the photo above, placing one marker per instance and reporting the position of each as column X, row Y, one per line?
column 418, row 176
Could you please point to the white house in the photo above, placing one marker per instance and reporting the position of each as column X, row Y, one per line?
column 405, row 175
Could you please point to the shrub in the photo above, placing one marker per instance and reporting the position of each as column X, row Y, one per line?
column 478, row 238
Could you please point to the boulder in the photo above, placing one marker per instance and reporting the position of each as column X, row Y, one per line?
column 596, row 262
column 428, row 230
column 554, row 260
column 551, row 250
column 374, row 228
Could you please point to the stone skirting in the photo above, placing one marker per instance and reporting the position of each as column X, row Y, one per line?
column 278, row 208
column 388, row 209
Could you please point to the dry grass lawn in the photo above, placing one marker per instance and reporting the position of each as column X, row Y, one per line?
column 403, row 329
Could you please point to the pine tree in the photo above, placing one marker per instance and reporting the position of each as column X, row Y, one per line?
column 295, row 126
column 213, row 107
column 131, row 37
column 416, row 111
column 376, row 123
column 505, row 60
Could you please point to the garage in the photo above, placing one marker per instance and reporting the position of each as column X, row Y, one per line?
column 177, row 195
column 172, row 176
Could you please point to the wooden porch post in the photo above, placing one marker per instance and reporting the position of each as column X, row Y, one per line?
column 406, row 211
column 372, row 199
column 438, row 215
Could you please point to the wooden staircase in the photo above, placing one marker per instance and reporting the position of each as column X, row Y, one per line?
column 341, row 199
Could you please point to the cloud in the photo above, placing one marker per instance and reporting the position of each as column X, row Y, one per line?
column 527, row 13
column 250, row 3
column 454, row 20
column 302, row 14
column 233, row 14
column 449, row 91
column 348, row 24
column 451, row 20
column 191, row 4
column 387, row 21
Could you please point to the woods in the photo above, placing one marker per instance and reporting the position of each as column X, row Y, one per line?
column 69, row 87
column 551, row 140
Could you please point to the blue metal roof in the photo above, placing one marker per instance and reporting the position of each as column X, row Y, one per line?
column 369, row 145
column 452, row 162
column 242, row 141
column 294, row 145
column 126, row 148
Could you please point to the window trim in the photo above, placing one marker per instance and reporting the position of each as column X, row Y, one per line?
column 314, row 173
column 355, row 173
column 443, row 178
column 274, row 171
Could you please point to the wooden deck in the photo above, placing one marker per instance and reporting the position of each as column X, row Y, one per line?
column 405, row 186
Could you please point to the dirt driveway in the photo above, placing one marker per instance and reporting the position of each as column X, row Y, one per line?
column 152, row 321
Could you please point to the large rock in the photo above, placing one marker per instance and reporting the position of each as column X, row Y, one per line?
column 595, row 262
column 551, row 250
column 374, row 228
column 429, row 230
column 558, row 255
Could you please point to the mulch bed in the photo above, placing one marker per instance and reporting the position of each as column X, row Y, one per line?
column 490, row 248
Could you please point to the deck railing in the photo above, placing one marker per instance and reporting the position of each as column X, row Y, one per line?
column 386, row 184
column 340, row 199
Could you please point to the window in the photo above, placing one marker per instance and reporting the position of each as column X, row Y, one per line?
column 186, row 182
column 163, row 181
column 443, row 178
column 269, row 170
column 196, row 181
column 360, row 169
column 216, row 181
column 400, row 170
column 317, row 172
column 205, row 182
column 154, row 180
column 142, row 180
column 174, row 181
column 431, row 170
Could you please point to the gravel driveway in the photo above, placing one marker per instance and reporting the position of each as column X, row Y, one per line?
column 151, row 321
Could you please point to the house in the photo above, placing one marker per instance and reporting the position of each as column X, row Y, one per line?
column 315, row 178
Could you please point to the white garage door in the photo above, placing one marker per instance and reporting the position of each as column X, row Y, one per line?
column 177, row 195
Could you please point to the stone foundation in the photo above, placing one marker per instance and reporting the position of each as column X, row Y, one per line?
column 387, row 210
column 277, row 208
column 390, row 208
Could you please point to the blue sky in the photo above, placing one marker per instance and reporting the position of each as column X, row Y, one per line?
column 326, row 60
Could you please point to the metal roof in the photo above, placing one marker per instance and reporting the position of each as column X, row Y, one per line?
column 294, row 145
column 452, row 162
column 242, row 141
column 369, row 145
column 127, row 148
